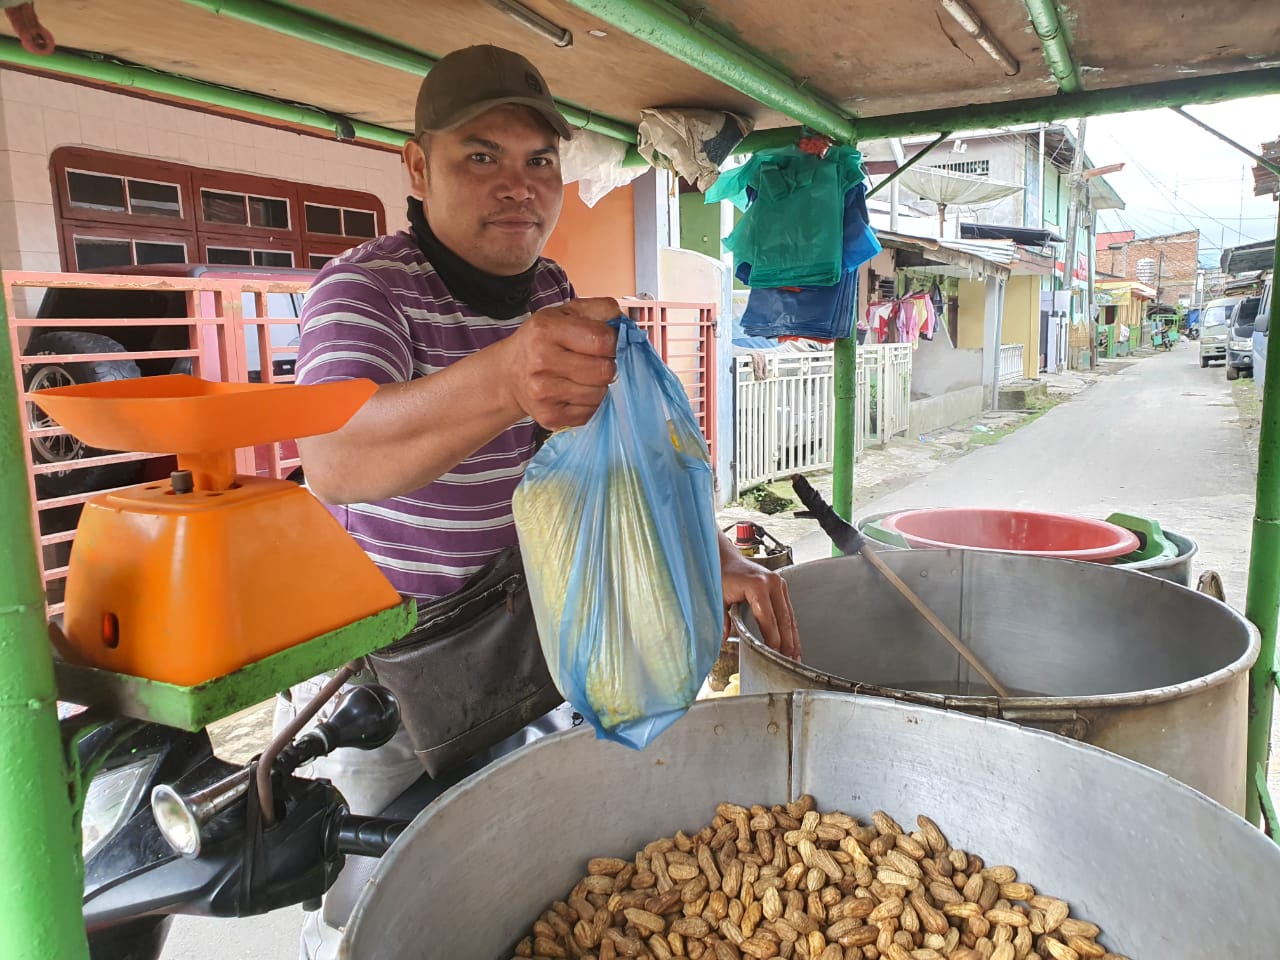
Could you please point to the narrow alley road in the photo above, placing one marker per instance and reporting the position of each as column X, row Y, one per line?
column 1158, row 438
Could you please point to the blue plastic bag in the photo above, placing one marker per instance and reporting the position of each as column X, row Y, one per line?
column 617, row 529
column 822, row 313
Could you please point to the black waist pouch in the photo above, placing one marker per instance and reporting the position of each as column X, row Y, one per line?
column 472, row 673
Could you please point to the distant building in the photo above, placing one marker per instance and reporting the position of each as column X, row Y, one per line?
column 1168, row 263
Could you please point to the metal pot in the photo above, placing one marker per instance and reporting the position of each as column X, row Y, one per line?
column 1175, row 569
column 1136, row 665
column 1129, row 848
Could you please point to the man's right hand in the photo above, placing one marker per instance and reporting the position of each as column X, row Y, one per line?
column 559, row 364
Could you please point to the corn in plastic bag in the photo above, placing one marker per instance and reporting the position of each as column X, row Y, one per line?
column 617, row 529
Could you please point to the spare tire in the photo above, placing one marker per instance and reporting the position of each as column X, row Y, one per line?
column 64, row 448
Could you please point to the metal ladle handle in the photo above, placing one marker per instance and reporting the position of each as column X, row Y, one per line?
column 960, row 647
column 848, row 539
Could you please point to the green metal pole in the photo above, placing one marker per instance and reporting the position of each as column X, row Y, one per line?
column 336, row 35
column 40, row 881
column 1086, row 103
column 671, row 30
column 171, row 85
column 846, row 385
column 1255, row 157
column 1263, row 603
column 908, row 165
column 1057, row 49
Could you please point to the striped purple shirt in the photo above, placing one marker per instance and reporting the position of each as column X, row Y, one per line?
column 381, row 311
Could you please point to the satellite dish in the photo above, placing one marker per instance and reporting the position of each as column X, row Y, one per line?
column 945, row 187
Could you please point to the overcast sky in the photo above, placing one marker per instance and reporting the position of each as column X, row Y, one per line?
column 1178, row 177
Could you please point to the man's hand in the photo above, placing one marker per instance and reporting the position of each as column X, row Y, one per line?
column 559, row 364
column 766, row 593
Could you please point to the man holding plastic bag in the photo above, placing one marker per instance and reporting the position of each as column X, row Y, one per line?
column 475, row 341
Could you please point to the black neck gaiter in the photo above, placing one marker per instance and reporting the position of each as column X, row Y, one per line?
column 501, row 298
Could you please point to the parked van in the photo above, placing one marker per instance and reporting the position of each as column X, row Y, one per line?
column 1261, row 323
column 1240, row 338
column 1214, row 328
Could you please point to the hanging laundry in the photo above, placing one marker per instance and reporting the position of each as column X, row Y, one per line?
column 909, row 318
column 908, row 326
column 793, row 232
column 881, row 314
column 919, row 306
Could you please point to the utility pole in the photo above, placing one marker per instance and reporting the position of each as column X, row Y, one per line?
column 1074, row 198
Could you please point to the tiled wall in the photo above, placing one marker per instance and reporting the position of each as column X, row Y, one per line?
column 39, row 115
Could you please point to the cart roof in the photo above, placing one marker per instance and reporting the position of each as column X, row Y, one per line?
column 868, row 59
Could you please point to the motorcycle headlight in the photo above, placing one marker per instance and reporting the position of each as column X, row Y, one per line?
column 112, row 797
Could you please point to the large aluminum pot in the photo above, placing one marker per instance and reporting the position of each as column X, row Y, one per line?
column 1127, row 662
column 1163, row 870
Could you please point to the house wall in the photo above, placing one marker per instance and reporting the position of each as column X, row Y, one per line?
column 1021, row 323
column 597, row 245
column 938, row 368
column 1055, row 201
column 39, row 115
column 1077, row 342
column 699, row 225
column 970, row 327
column 690, row 277
column 1133, row 314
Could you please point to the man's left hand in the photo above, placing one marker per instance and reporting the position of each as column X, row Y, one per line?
column 766, row 593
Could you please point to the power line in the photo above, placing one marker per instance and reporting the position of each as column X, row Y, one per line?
column 1174, row 203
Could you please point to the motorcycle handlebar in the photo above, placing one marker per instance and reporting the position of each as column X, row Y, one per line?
column 367, row 836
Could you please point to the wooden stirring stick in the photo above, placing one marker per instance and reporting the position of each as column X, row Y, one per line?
column 849, row 540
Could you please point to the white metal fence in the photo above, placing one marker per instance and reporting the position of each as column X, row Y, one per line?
column 785, row 416
column 890, row 365
column 1011, row 362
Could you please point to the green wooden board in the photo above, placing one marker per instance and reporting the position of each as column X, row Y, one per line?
column 193, row 708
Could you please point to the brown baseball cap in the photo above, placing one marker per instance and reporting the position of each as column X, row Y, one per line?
column 467, row 82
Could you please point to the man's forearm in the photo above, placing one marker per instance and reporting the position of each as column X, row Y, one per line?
column 410, row 434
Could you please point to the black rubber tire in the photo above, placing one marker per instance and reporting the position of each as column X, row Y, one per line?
column 1233, row 373
column 1204, row 362
column 37, row 376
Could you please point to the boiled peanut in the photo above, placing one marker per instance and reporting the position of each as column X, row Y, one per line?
column 796, row 882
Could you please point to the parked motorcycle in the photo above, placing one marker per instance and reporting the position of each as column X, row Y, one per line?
column 169, row 828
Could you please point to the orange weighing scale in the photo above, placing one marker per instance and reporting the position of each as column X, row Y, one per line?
column 192, row 598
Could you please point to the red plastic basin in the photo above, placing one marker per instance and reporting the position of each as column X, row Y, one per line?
column 1028, row 532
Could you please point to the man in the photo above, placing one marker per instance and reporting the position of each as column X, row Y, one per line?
column 473, row 339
